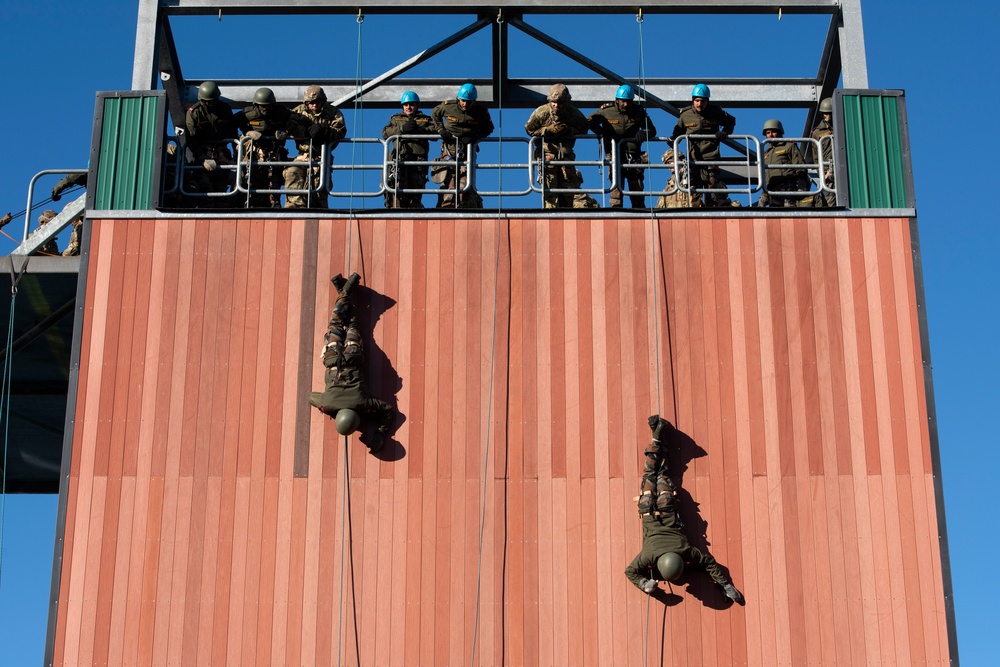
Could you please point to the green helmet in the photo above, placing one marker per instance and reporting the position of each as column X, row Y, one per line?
column 670, row 565
column 773, row 124
column 208, row 90
column 314, row 94
column 826, row 106
column 347, row 421
column 263, row 96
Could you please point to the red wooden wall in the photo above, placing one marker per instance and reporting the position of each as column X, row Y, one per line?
column 205, row 507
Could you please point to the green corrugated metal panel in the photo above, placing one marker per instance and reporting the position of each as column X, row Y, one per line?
column 128, row 153
column 874, row 151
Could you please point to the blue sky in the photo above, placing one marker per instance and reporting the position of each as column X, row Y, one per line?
column 56, row 54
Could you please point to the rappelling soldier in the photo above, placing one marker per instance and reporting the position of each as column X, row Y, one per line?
column 558, row 123
column 665, row 546
column 346, row 396
column 410, row 121
column 703, row 118
column 626, row 122
column 460, row 123
column 321, row 114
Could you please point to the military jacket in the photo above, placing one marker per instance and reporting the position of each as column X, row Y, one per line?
column 472, row 124
column 711, row 121
column 823, row 129
column 279, row 119
column 330, row 118
column 209, row 121
column 780, row 153
column 411, row 148
column 660, row 534
column 557, row 128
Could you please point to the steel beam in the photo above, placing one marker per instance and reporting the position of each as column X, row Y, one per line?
column 144, row 74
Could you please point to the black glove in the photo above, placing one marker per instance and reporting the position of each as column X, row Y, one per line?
column 316, row 131
column 733, row 593
column 446, row 135
column 410, row 127
column 640, row 136
column 721, row 134
column 280, row 135
column 59, row 187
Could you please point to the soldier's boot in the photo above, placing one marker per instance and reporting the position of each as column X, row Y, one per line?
column 349, row 284
column 338, row 281
column 615, row 201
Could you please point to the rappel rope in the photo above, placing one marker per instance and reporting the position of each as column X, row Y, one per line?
column 358, row 107
column 654, row 247
column 5, row 380
column 493, row 339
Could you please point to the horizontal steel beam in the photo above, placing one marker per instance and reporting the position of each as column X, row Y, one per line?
column 523, row 93
column 234, row 7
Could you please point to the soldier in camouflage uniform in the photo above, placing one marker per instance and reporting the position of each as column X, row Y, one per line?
column 627, row 122
column 65, row 183
column 679, row 198
column 704, row 118
column 662, row 528
column 558, row 123
column 460, row 123
column 315, row 108
column 823, row 133
column 779, row 178
column 211, row 129
column 266, row 125
column 411, row 120
column 346, row 392
column 49, row 247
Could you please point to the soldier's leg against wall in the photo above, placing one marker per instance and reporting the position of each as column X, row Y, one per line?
column 353, row 345
column 650, row 472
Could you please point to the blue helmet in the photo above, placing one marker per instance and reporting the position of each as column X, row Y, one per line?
column 625, row 92
column 701, row 90
column 408, row 97
column 468, row 93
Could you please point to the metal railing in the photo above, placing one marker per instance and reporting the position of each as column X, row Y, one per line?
column 488, row 178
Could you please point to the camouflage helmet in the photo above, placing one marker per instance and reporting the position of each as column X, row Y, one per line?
column 826, row 105
column 670, row 566
column 314, row 94
column 263, row 96
column 559, row 93
column 668, row 157
column 773, row 124
column 347, row 421
column 46, row 215
column 208, row 90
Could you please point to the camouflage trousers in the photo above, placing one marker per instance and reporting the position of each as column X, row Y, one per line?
column 258, row 176
column 295, row 179
column 785, row 184
column 565, row 177
column 657, row 491
column 446, row 176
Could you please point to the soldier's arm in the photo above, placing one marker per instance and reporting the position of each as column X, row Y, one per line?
column 596, row 122
column 486, row 123
column 729, row 122
column 437, row 117
column 535, row 123
column 576, row 121
column 338, row 128
column 391, row 129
